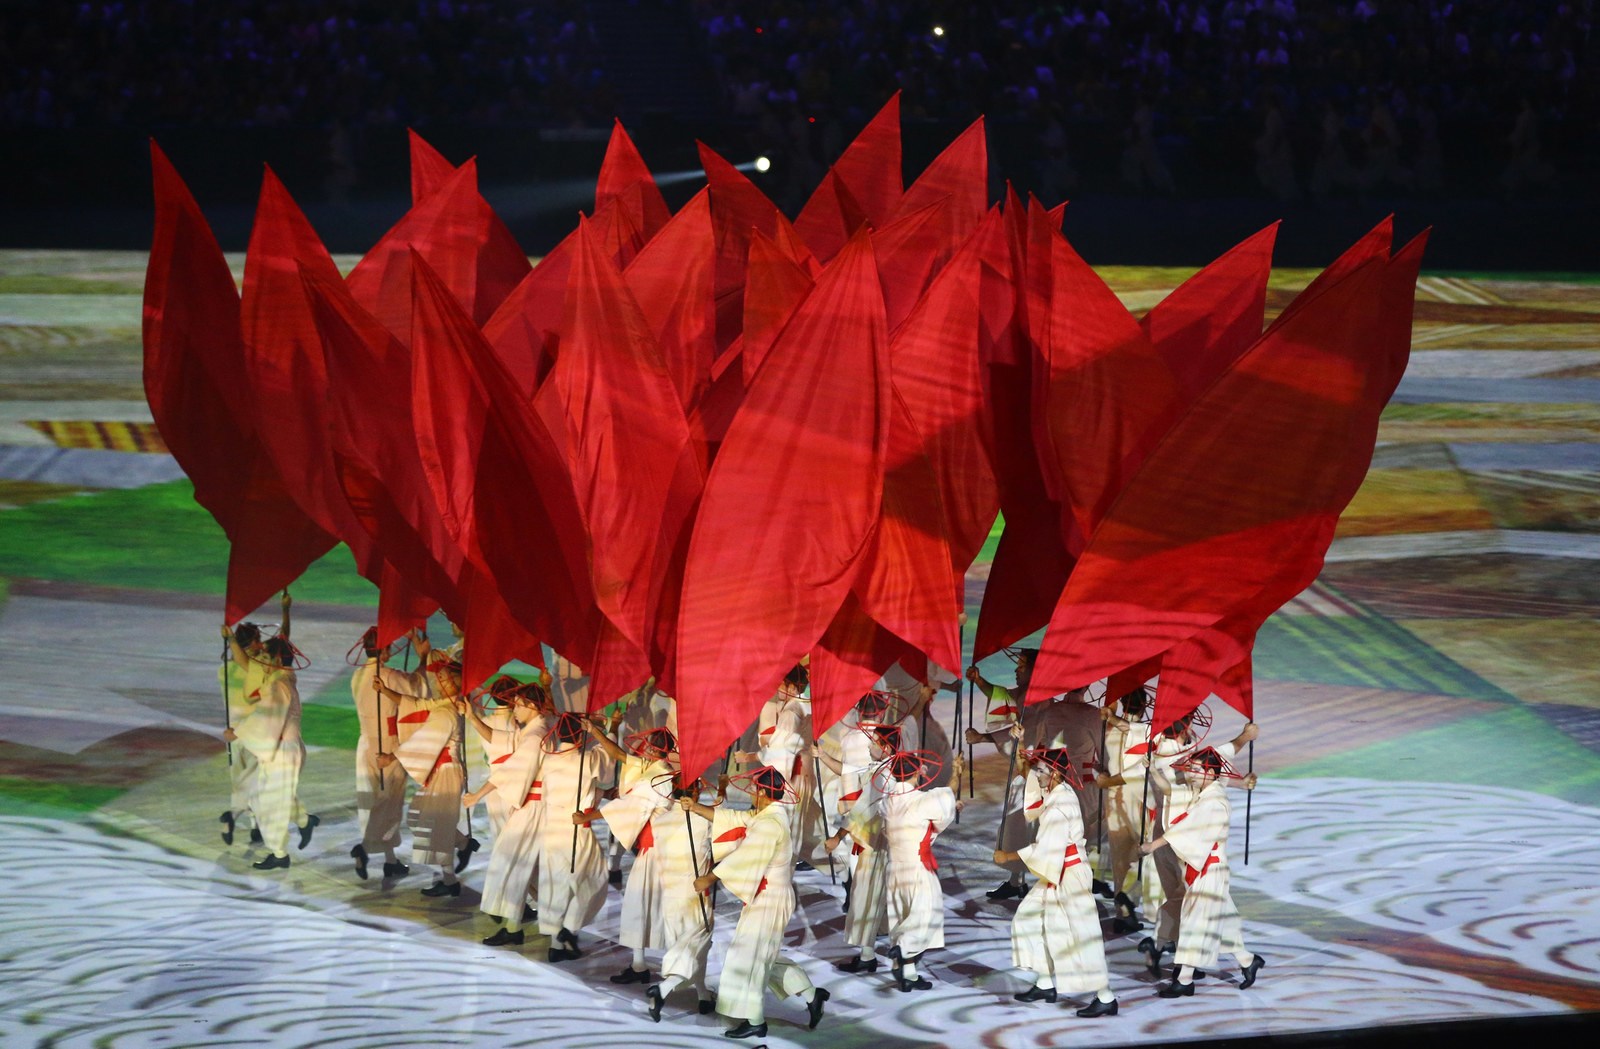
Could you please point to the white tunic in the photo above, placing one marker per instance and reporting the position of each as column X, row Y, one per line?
column 271, row 732
column 757, row 869
column 1199, row 839
column 1056, row 931
column 242, row 772
column 685, row 926
column 572, row 880
column 912, row 820
column 432, row 754
column 380, row 793
column 502, row 733
column 630, row 818
column 514, row 860
column 869, row 889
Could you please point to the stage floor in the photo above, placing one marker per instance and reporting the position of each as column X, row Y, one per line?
column 1425, row 842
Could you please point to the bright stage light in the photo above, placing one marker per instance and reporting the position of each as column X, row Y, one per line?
column 938, row 30
column 763, row 164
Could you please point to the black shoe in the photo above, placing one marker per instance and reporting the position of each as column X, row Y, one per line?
column 1036, row 994
column 919, row 984
column 746, row 1029
column 1098, row 1008
column 705, row 1005
column 653, row 996
column 1123, row 926
column 564, row 947
column 1176, row 990
column 804, row 866
column 1007, row 891
column 360, row 855
column 439, row 888
column 1101, row 888
column 858, row 965
column 558, row 954
column 1249, row 972
column 226, row 819
column 814, row 1007
column 615, row 878
column 632, row 975
column 529, row 915
column 255, row 836
column 1153, row 953
column 464, row 854
column 501, row 938
column 397, row 869
column 896, row 962
column 1126, row 908
column 305, row 832
column 270, row 863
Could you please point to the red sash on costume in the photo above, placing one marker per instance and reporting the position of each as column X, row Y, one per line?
column 1191, row 875
column 416, row 717
column 760, row 888
column 769, row 730
column 925, row 850
column 394, row 725
column 856, row 796
column 533, row 791
column 1070, row 858
column 646, row 839
column 735, row 834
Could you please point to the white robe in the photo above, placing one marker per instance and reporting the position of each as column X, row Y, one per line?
column 1056, row 930
column 572, row 884
column 630, row 819
column 758, row 869
column 241, row 699
column 432, row 753
column 784, row 732
column 514, row 860
column 1198, row 837
column 1174, row 796
column 502, row 731
column 868, row 915
column 1126, row 817
column 912, row 820
column 686, row 915
column 380, row 793
column 271, row 732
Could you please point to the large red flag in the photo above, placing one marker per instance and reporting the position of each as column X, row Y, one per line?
column 959, row 173
column 789, row 507
column 869, row 171
column 636, row 471
column 776, row 286
column 284, row 367
column 429, row 170
column 193, row 361
column 673, row 279
column 1211, row 524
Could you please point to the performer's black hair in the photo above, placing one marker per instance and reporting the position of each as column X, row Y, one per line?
column 278, row 648
column 369, row 643
column 799, row 677
column 1134, row 702
column 770, row 783
column 246, row 634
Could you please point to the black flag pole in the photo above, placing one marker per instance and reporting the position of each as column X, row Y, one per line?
column 816, row 773
column 583, row 752
column 1249, row 795
column 1144, row 809
column 1105, row 767
column 1005, row 810
column 227, row 699
column 694, row 857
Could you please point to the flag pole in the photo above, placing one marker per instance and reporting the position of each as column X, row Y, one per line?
column 227, row 700
column 1005, row 810
column 1144, row 807
column 583, row 752
column 816, row 773
column 1248, row 796
column 694, row 858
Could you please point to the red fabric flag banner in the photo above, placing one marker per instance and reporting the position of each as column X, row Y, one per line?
column 789, row 507
column 623, row 175
column 429, row 170
column 193, row 363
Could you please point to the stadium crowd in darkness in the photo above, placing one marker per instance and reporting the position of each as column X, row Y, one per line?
column 148, row 63
column 1368, row 81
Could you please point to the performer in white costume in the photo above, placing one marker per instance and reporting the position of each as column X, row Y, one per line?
column 755, row 862
column 496, row 726
column 241, row 681
column 380, row 791
column 432, row 753
column 913, row 816
column 866, row 908
column 1198, row 835
column 784, row 742
column 271, row 732
column 572, row 867
column 1056, row 931
column 682, row 845
column 1127, row 801
column 515, row 778
column 644, row 789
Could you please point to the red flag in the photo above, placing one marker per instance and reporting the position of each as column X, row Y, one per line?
column 623, row 174
column 910, row 251
column 1211, row 525
column 194, row 357
column 849, row 658
column 429, row 170
column 829, row 218
column 635, row 469
column 960, row 173
column 788, row 509
column 461, row 238
column 284, row 367
column 775, row 288
column 869, row 170
column 673, row 279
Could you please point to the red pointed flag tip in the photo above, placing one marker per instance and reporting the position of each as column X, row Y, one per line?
column 1215, row 315
column 870, row 165
column 775, row 288
column 624, row 170
column 830, row 218
column 788, row 508
column 961, row 173
column 1211, row 524
column 673, row 279
column 429, row 170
